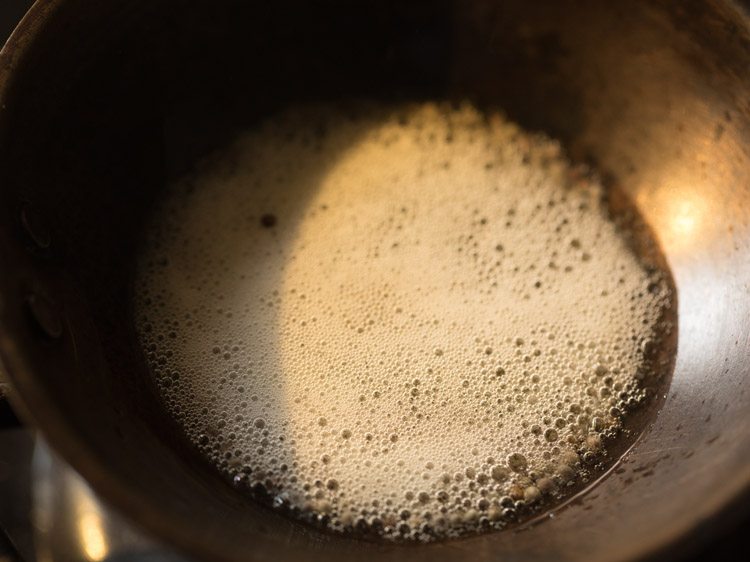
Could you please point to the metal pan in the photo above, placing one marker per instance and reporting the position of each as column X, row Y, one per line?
column 103, row 103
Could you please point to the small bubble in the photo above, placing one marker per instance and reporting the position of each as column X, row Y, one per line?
column 268, row 220
column 517, row 462
column 499, row 473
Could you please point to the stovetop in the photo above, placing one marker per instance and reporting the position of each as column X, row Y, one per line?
column 48, row 513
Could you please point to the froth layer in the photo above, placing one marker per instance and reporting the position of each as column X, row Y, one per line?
column 413, row 321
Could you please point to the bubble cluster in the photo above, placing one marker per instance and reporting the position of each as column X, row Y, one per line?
column 409, row 322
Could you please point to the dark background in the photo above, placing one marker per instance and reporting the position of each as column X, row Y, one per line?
column 10, row 12
column 732, row 545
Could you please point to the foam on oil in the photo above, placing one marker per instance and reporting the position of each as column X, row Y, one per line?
column 411, row 322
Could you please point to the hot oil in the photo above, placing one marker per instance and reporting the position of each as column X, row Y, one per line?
column 409, row 322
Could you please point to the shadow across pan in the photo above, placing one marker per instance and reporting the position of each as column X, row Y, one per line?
column 102, row 104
